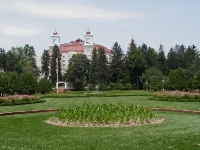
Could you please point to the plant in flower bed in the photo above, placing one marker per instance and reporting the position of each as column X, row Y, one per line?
column 19, row 100
column 104, row 116
column 177, row 96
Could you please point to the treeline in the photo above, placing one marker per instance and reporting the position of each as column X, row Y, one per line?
column 142, row 67
column 13, row 83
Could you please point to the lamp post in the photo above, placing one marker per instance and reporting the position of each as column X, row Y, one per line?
column 163, row 84
column 57, row 74
column 146, row 85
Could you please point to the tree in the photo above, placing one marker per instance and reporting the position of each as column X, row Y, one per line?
column 12, row 82
column 161, row 59
column 77, row 71
column 3, row 83
column 124, row 74
column 2, row 58
column 152, row 79
column 177, row 79
column 172, row 61
column 28, row 84
column 93, row 68
column 136, row 63
column 150, row 55
column 21, row 60
column 44, row 86
column 45, row 60
column 11, row 61
column 55, row 63
column 116, row 61
column 102, row 67
column 196, row 80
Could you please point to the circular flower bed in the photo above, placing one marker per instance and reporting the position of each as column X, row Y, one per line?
column 104, row 116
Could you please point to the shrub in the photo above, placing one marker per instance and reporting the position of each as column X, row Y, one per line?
column 177, row 96
column 44, row 86
column 19, row 100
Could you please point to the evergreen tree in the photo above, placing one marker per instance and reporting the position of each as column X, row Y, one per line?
column 28, row 84
column 44, row 86
column 124, row 76
column 77, row 71
column 152, row 79
column 12, row 82
column 93, row 68
column 102, row 68
column 177, row 79
column 116, row 61
column 161, row 59
column 196, row 80
column 11, row 61
column 2, row 58
column 55, row 63
column 45, row 60
column 136, row 63
column 172, row 61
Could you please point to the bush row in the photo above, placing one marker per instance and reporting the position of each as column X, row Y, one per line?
column 177, row 97
column 19, row 100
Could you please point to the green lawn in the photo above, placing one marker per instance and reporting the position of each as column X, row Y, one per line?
column 29, row 132
column 141, row 100
column 179, row 131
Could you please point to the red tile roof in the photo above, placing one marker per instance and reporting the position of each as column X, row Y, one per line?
column 77, row 46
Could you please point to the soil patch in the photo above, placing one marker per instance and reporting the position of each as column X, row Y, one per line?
column 131, row 123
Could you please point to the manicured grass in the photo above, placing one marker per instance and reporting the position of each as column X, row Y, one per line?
column 141, row 100
column 179, row 131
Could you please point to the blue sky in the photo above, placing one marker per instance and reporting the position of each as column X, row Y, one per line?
column 152, row 22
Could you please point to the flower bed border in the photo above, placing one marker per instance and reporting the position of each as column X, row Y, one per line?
column 51, row 110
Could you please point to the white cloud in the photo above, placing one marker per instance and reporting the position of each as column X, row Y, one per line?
column 22, row 30
column 62, row 10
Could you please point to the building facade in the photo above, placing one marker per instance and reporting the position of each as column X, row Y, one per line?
column 85, row 46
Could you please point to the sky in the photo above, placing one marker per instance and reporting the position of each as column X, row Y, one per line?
column 153, row 22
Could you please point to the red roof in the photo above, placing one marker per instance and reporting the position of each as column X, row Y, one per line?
column 88, row 32
column 55, row 33
column 97, row 46
column 77, row 46
column 73, row 46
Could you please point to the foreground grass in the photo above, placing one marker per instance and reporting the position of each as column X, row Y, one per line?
column 136, row 100
column 178, row 131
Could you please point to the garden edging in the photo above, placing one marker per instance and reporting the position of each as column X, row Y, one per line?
column 50, row 110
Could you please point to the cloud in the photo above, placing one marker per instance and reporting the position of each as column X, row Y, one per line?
column 62, row 10
column 22, row 30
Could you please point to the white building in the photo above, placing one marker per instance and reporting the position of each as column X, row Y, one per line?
column 75, row 47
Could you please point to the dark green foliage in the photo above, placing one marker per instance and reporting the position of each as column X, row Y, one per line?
column 136, row 63
column 116, row 62
column 161, row 59
column 11, row 61
column 2, row 58
column 44, row 86
column 102, row 67
column 21, row 60
column 177, row 80
column 196, row 80
column 12, row 82
column 93, row 68
column 55, row 61
column 45, row 63
column 152, row 79
column 28, row 84
column 77, row 72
